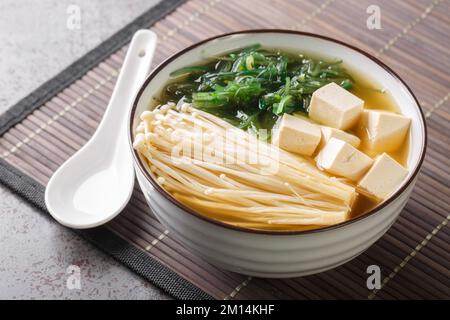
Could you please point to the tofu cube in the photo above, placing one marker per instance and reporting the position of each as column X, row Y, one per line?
column 329, row 132
column 334, row 106
column 383, row 178
column 342, row 159
column 303, row 116
column 297, row 135
column 383, row 131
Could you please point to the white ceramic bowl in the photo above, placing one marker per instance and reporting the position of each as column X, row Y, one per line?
column 279, row 254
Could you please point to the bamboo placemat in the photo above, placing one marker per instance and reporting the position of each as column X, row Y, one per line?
column 413, row 256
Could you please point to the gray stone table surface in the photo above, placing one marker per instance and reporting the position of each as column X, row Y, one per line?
column 35, row 252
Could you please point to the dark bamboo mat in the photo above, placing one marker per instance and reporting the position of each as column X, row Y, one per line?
column 414, row 255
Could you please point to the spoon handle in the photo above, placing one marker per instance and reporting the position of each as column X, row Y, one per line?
column 133, row 72
column 95, row 184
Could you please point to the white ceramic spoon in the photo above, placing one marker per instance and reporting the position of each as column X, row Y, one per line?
column 94, row 185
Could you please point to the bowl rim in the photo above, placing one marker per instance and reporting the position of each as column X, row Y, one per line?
column 190, row 211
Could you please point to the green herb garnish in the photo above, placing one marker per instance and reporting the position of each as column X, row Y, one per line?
column 252, row 87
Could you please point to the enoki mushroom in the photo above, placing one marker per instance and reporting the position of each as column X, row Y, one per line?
column 229, row 175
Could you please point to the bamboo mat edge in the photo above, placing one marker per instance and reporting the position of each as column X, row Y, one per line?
column 33, row 191
column 75, row 70
column 106, row 240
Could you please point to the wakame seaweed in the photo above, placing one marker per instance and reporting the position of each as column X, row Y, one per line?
column 253, row 86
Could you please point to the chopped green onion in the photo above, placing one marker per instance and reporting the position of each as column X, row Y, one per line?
column 188, row 70
column 252, row 87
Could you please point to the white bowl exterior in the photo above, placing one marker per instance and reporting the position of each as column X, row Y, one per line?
column 277, row 256
column 271, row 256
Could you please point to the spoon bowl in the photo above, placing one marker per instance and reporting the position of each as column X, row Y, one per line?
column 96, row 183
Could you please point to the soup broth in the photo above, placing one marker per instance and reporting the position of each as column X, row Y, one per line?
column 191, row 79
column 379, row 100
